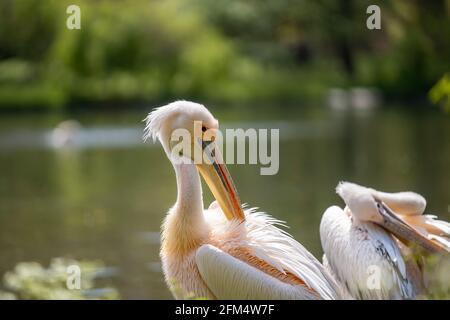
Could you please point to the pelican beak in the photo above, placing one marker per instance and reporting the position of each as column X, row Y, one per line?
column 219, row 181
column 404, row 232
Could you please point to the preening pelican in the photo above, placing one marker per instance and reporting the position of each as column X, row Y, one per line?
column 365, row 244
column 225, row 252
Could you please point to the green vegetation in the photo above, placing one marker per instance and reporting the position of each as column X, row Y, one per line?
column 438, row 278
column 215, row 50
column 440, row 93
column 30, row 280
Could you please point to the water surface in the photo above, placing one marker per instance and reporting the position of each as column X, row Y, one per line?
column 105, row 197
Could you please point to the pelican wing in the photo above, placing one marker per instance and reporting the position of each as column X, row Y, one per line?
column 276, row 246
column 263, row 241
column 231, row 278
column 364, row 257
column 387, row 248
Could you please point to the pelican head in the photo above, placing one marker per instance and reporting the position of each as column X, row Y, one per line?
column 187, row 132
column 361, row 205
column 392, row 211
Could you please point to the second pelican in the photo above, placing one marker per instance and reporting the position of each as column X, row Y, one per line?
column 368, row 245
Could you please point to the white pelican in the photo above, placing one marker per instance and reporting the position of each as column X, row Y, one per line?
column 225, row 252
column 65, row 134
column 361, row 250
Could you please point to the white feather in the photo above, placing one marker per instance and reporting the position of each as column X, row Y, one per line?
column 261, row 235
column 158, row 117
column 354, row 251
column 231, row 278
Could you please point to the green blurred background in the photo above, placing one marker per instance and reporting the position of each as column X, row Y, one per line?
column 248, row 51
column 77, row 182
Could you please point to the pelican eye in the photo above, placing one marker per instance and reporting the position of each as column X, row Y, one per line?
column 204, row 129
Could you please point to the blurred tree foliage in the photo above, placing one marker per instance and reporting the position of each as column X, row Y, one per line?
column 440, row 93
column 243, row 51
column 404, row 58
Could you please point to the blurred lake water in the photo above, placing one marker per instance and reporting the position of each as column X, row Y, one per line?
column 106, row 196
